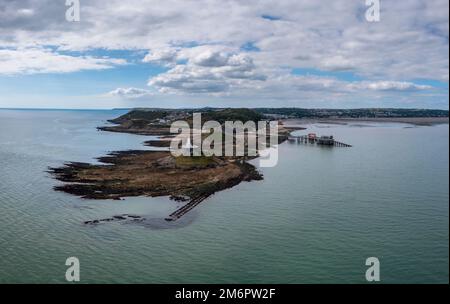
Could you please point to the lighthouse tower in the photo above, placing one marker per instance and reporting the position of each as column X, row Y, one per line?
column 188, row 148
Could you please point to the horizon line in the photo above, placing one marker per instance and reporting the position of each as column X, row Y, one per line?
column 175, row 108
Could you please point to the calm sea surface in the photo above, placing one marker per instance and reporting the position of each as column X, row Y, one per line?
column 315, row 218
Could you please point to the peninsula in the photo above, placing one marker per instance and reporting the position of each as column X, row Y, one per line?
column 159, row 173
column 192, row 179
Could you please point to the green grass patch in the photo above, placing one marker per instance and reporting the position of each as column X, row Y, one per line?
column 194, row 161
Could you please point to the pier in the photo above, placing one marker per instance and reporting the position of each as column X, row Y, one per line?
column 185, row 209
column 313, row 139
column 302, row 139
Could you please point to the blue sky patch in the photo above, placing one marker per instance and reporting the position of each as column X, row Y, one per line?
column 270, row 17
column 345, row 76
column 250, row 47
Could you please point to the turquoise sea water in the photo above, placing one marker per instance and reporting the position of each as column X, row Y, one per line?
column 315, row 218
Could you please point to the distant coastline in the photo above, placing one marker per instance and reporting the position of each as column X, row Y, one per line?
column 418, row 121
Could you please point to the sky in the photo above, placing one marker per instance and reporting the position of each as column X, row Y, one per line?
column 224, row 53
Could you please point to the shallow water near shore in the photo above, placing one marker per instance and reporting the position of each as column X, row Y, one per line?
column 315, row 217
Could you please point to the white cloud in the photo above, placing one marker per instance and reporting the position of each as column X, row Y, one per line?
column 25, row 12
column 200, row 43
column 388, row 86
column 131, row 93
column 189, row 79
column 337, row 63
column 330, row 36
column 208, row 71
column 166, row 57
column 40, row 60
column 211, row 58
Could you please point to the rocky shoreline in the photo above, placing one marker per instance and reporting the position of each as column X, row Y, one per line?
column 151, row 173
column 154, row 173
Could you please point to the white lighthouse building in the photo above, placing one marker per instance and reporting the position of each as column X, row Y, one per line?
column 188, row 147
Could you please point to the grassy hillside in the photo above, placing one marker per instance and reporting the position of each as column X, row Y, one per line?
column 220, row 115
column 245, row 114
column 141, row 114
column 232, row 115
